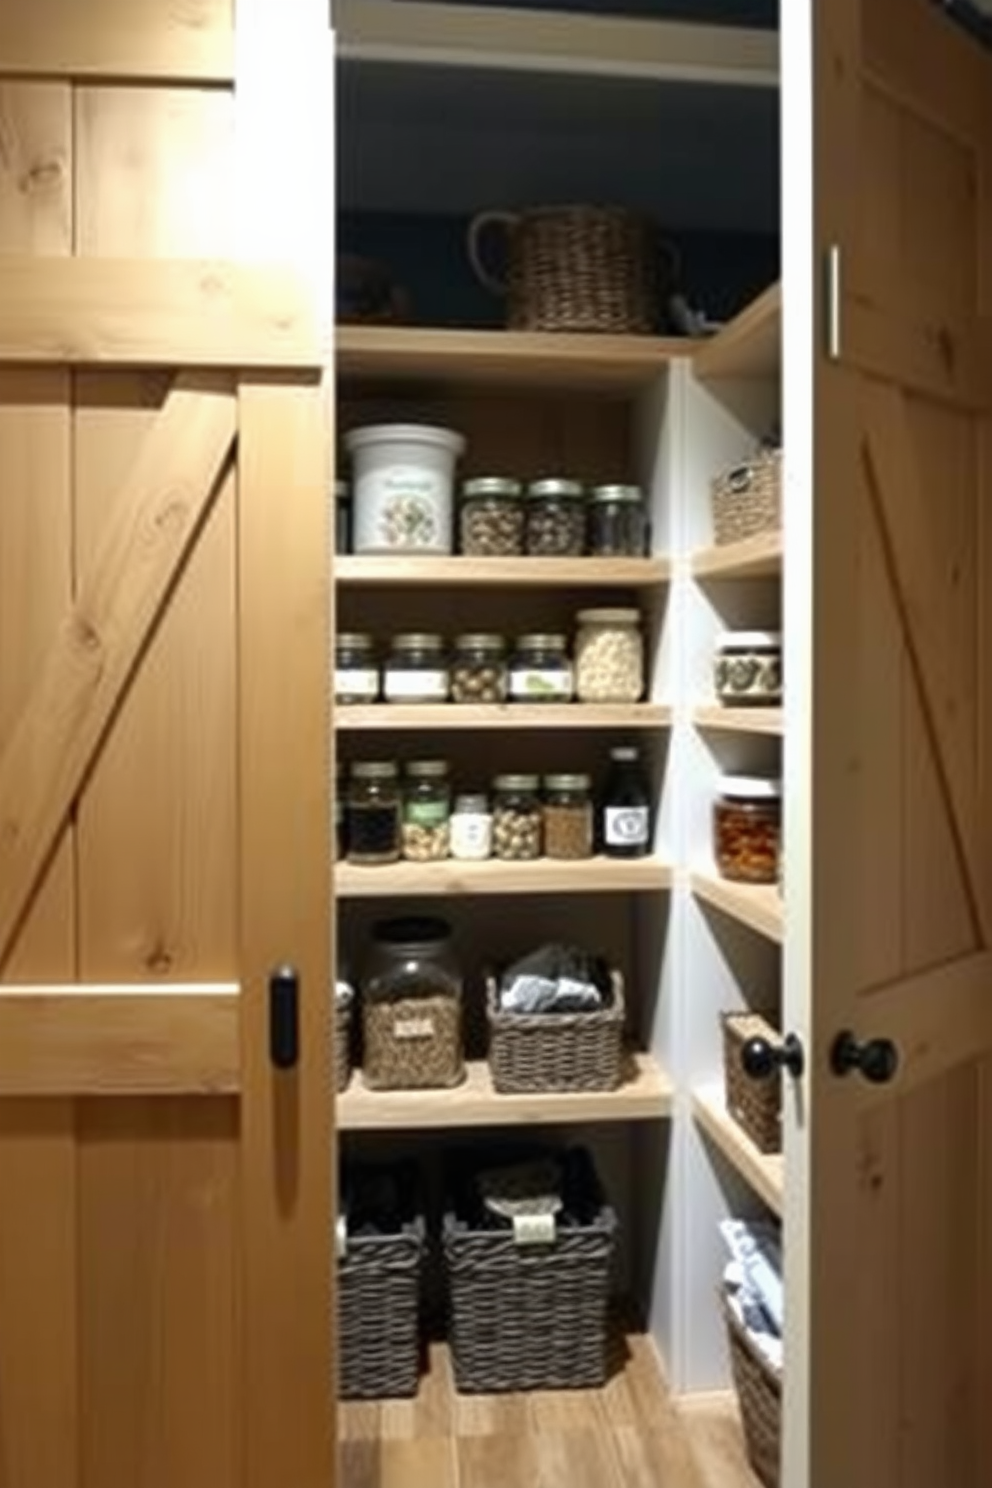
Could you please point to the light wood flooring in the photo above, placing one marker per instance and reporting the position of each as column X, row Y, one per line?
column 630, row 1434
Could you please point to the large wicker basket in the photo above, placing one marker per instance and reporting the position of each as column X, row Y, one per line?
column 747, row 499
column 530, row 1317
column 759, row 1394
column 579, row 268
column 556, row 1051
column 378, row 1310
column 756, row 1105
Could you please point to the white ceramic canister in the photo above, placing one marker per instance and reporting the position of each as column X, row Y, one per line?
column 402, row 488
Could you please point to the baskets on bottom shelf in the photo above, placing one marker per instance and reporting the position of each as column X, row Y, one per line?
column 543, row 1052
column 759, row 1394
column 756, row 1105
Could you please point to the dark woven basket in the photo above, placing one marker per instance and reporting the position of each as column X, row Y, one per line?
column 756, row 1105
column 378, row 1312
column 556, row 1051
column 759, row 1394
column 747, row 500
column 529, row 1318
column 342, row 1047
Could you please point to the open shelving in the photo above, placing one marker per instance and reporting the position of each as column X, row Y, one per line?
column 750, row 346
column 754, row 558
column 505, row 573
column 493, row 876
column 764, row 1172
column 755, row 720
column 510, row 716
column 758, row 906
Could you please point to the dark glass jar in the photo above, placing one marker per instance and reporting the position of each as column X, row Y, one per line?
column 618, row 522
column 568, row 816
column 540, row 671
column 416, row 670
column 491, row 519
column 340, row 832
column 373, row 816
column 356, row 675
column 625, row 814
column 478, row 669
column 556, row 518
column 412, row 1007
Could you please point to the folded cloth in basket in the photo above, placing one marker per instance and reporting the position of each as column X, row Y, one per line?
column 554, row 979
column 756, row 1248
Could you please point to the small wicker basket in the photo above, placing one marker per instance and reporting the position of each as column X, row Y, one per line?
column 759, row 1394
column 756, row 1105
column 747, row 499
column 556, row 1051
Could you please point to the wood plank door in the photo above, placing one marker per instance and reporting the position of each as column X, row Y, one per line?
column 888, row 427
column 165, row 1191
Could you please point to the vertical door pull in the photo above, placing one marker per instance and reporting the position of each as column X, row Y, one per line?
column 833, row 302
column 284, row 1018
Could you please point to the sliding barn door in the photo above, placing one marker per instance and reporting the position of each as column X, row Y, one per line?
column 889, row 972
column 165, row 1190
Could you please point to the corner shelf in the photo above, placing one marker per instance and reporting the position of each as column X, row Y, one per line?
column 765, row 1173
column 748, row 346
column 754, row 558
column 758, row 906
column 505, row 573
column 739, row 720
column 493, row 876
column 510, row 716
column 647, row 1095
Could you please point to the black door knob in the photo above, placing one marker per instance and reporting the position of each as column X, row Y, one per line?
column 284, row 1018
column 762, row 1059
column 876, row 1059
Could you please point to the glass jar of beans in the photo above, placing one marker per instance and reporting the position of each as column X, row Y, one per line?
column 609, row 657
column 747, row 829
column 618, row 523
column 411, row 999
column 491, row 517
column 556, row 518
column 568, row 816
column 516, row 817
column 479, row 669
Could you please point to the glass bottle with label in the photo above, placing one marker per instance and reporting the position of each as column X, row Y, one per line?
column 471, row 829
column 625, row 814
column 416, row 670
column 356, row 676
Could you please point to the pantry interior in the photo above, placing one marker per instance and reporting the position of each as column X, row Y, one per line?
column 668, row 414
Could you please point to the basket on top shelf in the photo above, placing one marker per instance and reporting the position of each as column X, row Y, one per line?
column 756, row 1105
column 759, row 1394
column 747, row 499
column 544, row 1052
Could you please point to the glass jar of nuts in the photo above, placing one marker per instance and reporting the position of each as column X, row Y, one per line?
column 609, row 657
column 478, row 669
column 556, row 518
column 516, row 817
column 568, row 816
column 426, row 811
column 540, row 670
column 491, row 520
column 747, row 829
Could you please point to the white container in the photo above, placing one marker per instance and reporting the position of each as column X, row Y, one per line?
column 402, row 488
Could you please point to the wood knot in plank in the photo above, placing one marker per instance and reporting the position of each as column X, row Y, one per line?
column 85, row 634
column 159, row 960
column 946, row 349
column 10, row 832
column 42, row 176
column 171, row 516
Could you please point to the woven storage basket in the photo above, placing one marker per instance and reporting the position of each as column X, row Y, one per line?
column 342, row 1047
column 378, row 1309
column 580, row 268
column 759, row 1394
column 747, row 499
column 756, row 1105
column 556, row 1051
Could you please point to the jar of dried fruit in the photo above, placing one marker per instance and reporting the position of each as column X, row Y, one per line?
column 747, row 829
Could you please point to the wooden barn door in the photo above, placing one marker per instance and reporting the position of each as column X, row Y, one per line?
column 890, row 1250
column 165, row 1191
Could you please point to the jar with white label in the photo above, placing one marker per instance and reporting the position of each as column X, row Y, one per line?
column 625, row 813
column 412, row 1007
column 540, row 671
column 747, row 669
column 471, row 829
column 356, row 675
column 416, row 670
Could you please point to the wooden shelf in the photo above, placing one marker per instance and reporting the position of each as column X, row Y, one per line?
column 445, row 716
column 518, row 359
column 545, row 876
column 739, row 720
column 764, row 1173
column 645, row 1096
column 754, row 558
column 506, row 573
column 749, row 346
column 756, row 905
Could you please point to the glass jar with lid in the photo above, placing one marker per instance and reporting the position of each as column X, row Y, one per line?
column 342, row 517
column 411, row 999
column 471, row 829
column 625, row 819
column 479, row 669
column 372, row 818
column 609, row 656
column 747, row 669
column 541, row 671
column 747, row 829
column 356, row 675
column 556, row 518
column 517, row 817
column 416, row 670
column 618, row 522
column 426, row 811
column 568, row 816
column 491, row 518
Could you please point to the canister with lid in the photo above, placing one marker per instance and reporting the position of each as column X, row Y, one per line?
column 491, row 517
column 356, row 675
column 618, row 522
column 747, row 828
column 556, row 518
column 416, row 669
column 609, row 656
column 412, row 1007
column 747, row 668
column 540, row 670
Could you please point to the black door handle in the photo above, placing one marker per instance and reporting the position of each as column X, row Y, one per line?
column 284, row 1018
column 761, row 1059
column 876, row 1059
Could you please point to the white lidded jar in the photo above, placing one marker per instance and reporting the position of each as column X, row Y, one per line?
column 747, row 668
column 402, row 488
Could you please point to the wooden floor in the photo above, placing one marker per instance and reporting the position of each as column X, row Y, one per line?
column 628, row 1435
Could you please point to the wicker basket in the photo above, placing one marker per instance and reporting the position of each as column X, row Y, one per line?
column 747, row 499
column 530, row 1317
column 580, row 268
column 556, row 1051
column 378, row 1311
column 759, row 1394
column 756, row 1105
column 342, row 1046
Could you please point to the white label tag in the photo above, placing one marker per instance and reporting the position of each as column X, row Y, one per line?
column 550, row 682
column 425, row 684
column 413, row 1028
column 341, row 1237
column 627, row 826
column 534, row 1229
column 360, row 682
